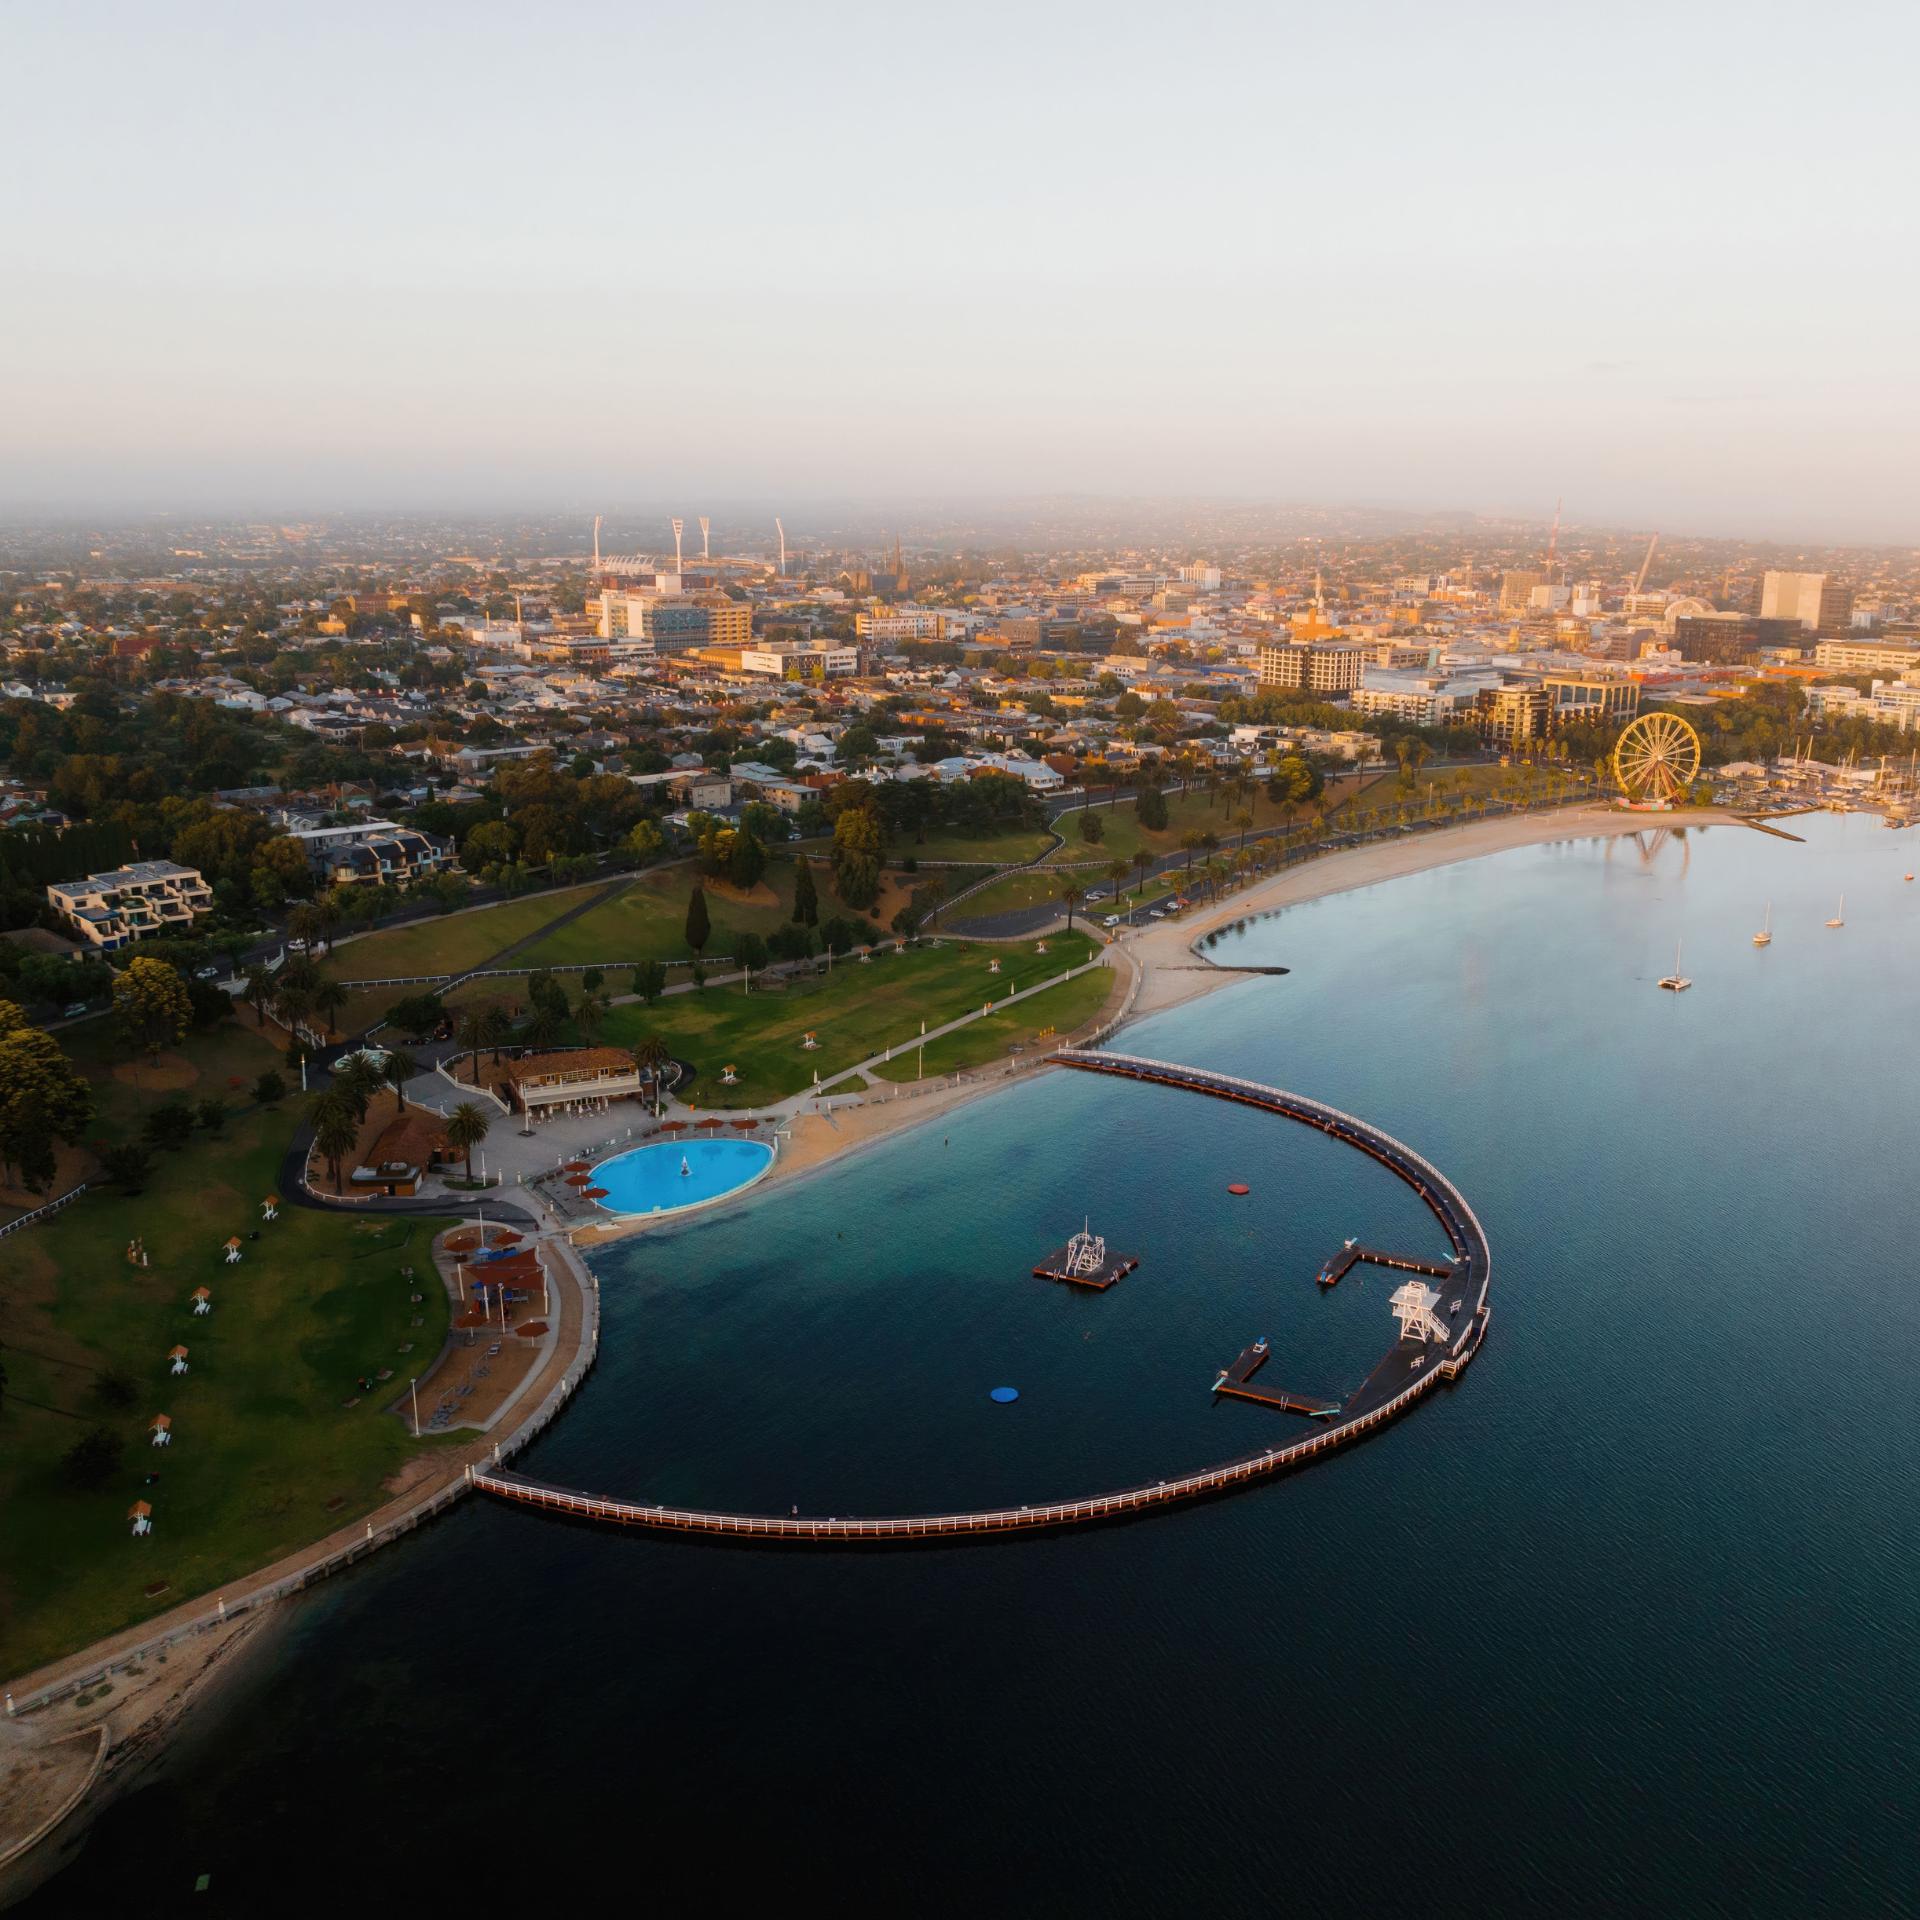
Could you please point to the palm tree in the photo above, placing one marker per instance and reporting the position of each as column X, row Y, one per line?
column 1070, row 893
column 1117, row 875
column 258, row 993
column 400, row 1067
column 541, row 1028
column 357, row 1082
column 292, row 1004
column 472, row 1036
column 303, row 924
column 587, row 1016
column 650, row 1057
column 1243, row 820
column 1143, row 860
column 467, row 1126
column 1190, row 845
column 328, row 914
column 496, row 1028
column 336, row 1131
column 328, row 998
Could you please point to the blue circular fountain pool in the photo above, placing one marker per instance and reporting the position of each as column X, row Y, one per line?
column 679, row 1173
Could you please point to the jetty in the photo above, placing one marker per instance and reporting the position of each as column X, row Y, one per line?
column 1353, row 1254
column 1432, row 1352
column 1237, row 1382
column 1086, row 1261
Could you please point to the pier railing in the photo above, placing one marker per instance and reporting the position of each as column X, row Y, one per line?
column 1443, row 1199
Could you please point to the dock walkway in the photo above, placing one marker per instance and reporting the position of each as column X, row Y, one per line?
column 1410, row 1370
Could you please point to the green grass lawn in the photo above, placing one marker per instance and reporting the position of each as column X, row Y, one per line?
column 127, row 1088
column 647, row 920
column 1123, row 836
column 1013, row 891
column 855, row 1011
column 985, row 849
column 452, row 942
column 1056, row 1013
column 262, row 1442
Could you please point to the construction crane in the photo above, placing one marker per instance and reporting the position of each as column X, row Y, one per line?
column 1640, row 578
column 782, row 532
column 1553, row 539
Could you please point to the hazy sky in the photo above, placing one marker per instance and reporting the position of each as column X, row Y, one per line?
column 1661, row 260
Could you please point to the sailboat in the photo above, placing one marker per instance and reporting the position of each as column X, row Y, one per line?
column 1839, row 913
column 1764, row 938
column 1676, row 981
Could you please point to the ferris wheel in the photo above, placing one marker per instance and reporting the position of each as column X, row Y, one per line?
column 1656, row 760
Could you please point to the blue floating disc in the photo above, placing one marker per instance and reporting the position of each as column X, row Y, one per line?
column 1005, row 1394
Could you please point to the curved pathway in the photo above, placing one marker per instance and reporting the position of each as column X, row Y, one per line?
column 1410, row 1369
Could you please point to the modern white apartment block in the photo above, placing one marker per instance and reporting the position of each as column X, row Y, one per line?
column 112, row 910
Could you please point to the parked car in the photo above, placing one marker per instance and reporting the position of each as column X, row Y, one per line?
column 206, row 973
column 296, row 946
column 75, row 1011
column 1112, row 920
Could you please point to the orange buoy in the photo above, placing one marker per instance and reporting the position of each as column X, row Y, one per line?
column 1239, row 1186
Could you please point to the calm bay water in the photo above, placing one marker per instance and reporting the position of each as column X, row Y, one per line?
column 1626, row 1622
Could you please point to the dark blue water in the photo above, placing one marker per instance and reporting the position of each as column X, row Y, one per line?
column 1626, row 1622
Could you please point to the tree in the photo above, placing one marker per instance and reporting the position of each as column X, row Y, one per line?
column 751, row 951
column 400, row 1067
column 1151, row 809
column 856, row 857
column 1070, row 893
column 418, row 1015
column 650, row 1057
column 1092, row 828
column 127, row 1165
column 211, row 1114
column 43, row 1098
column 258, row 993
column 269, row 1090
column 541, row 1028
column 328, row 998
column 169, row 1125
column 1143, row 860
column 467, row 1127
column 806, row 898
column 93, row 1460
column 589, row 1016
column 336, row 1130
column 699, row 928
column 151, row 1005
column 472, row 1036
column 649, row 980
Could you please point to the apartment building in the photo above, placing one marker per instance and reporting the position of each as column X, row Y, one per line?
column 112, row 910
column 1313, row 666
column 371, row 853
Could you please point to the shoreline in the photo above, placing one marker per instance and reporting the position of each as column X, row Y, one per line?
column 1161, row 968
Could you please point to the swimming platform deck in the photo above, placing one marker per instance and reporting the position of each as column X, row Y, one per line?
column 1237, row 1383
column 1114, row 1267
column 1410, row 1370
column 1349, row 1257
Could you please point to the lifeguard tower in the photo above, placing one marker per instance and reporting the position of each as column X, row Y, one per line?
column 1413, row 1307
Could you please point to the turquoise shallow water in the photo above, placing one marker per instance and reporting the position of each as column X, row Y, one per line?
column 1626, row 1622
column 661, row 1179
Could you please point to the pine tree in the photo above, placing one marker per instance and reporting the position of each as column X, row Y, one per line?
column 806, row 900
column 699, row 928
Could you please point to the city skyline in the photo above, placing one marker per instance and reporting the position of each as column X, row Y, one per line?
column 467, row 261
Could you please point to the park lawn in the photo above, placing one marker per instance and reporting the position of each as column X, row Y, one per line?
column 647, row 919
column 127, row 1087
column 855, row 1011
column 1123, row 836
column 262, row 1440
column 1038, row 886
column 1006, row 849
column 451, row 943
column 1053, row 1015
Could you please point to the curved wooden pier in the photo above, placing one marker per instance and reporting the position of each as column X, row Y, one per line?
column 1410, row 1369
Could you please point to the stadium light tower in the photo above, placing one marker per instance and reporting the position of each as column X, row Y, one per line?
column 705, row 551
column 782, row 532
column 679, row 527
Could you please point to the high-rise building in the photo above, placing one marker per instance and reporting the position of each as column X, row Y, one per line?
column 1314, row 666
column 1820, row 604
column 1516, row 590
